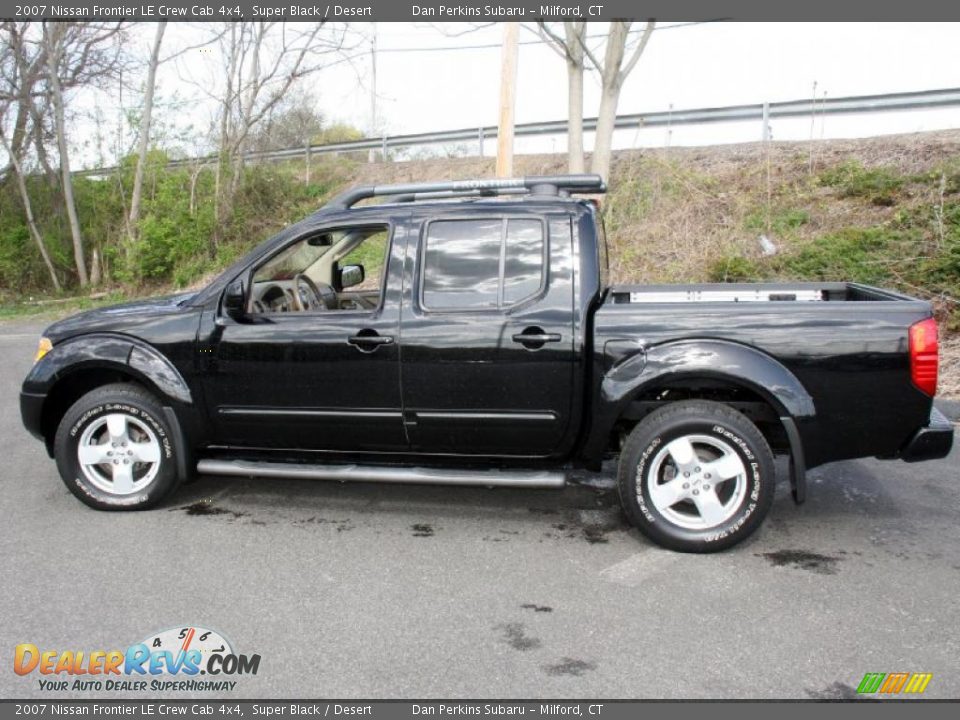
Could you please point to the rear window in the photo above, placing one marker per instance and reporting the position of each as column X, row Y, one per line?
column 482, row 264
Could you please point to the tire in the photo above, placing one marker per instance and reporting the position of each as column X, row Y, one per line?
column 115, row 451
column 696, row 512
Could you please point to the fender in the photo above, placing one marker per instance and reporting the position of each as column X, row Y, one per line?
column 635, row 368
column 107, row 351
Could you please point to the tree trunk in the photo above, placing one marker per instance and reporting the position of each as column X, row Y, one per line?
column 575, row 117
column 611, row 82
column 28, row 211
column 95, row 267
column 603, row 144
column 56, row 93
column 134, row 217
column 573, row 49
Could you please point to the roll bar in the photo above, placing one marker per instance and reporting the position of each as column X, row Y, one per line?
column 542, row 185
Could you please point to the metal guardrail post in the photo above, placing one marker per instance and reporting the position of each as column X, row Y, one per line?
column 480, row 139
column 765, row 132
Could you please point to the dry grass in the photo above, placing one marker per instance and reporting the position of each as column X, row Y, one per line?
column 950, row 368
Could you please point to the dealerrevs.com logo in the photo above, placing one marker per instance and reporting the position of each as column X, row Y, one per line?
column 179, row 659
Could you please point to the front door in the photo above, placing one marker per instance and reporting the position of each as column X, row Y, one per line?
column 487, row 336
column 313, row 365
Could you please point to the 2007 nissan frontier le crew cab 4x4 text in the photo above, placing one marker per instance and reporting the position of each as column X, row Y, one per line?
column 464, row 332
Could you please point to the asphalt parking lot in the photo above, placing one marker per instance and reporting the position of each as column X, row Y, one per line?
column 373, row 591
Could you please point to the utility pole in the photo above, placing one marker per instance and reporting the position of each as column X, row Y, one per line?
column 372, row 155
column 508, row 98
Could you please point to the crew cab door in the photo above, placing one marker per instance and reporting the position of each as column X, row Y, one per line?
column 487, row 342
column 325, row 378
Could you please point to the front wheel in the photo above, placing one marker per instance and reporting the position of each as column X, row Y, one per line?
column 115, row 451
column 696, row 476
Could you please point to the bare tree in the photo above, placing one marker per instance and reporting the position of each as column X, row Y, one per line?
column 145, row 120
column 262, row 62
column 19, row 77
column 570, row 48
column 614, row 69
column 293, row 122
column 77, row 53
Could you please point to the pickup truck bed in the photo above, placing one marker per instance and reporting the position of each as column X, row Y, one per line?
column 842, row 342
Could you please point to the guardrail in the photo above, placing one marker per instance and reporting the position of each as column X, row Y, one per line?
column 763, row 112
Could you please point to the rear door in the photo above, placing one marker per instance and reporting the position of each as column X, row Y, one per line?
column 487, row 344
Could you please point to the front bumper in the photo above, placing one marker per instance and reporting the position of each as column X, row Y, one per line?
column 31, row 412
column 930, row 442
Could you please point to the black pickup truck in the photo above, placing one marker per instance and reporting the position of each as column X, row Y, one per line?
column 465, row 332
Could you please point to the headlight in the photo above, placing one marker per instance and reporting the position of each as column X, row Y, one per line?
column 43, row 348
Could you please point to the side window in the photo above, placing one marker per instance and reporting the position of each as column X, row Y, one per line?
column 482, row 264
column 462, row 264
column 371, row 254
column 335, row 269
column 523, row 260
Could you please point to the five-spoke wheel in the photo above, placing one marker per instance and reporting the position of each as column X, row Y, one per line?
column 696, row 476
column 115, row 450
column 119, row 453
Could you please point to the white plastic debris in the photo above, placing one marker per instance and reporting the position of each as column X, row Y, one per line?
column 767, row 246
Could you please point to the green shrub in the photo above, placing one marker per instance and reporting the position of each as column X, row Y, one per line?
column 734, row 268
column 852, row 180
column 780, row 223
column 860, row 254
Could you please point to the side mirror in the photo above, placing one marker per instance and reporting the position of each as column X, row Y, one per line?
column 234, row 300
column 351, row 275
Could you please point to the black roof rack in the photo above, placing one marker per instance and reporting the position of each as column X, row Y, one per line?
column 541, row 185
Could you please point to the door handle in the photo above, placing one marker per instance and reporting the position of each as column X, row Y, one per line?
column 534, row 338
column 369, row 340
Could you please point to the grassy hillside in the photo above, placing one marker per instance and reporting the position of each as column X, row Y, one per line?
column 884, row 211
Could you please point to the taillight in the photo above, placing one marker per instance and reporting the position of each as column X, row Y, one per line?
column 924, row 355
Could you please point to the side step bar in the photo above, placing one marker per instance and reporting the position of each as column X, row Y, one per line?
column 385, row 474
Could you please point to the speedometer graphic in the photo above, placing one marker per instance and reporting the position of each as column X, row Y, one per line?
column 179, row 640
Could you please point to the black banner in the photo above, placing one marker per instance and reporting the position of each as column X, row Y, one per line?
column 484, row 11
column 482, row 709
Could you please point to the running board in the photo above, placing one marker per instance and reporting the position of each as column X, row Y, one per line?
column 384, row 474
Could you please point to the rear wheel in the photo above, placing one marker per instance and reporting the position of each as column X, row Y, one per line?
column 114, row 449
column 696, row 476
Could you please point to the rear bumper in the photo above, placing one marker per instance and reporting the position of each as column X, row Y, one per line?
column 930, row 442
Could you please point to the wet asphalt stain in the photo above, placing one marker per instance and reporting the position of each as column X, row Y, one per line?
column 836, row 691
column 339, row 525
column 593, row 533
column 803, row 560
column 422, row 530
column 537, row 608
column 570, row 666
column 593, row 519
column 206, row 507
column 515, row 635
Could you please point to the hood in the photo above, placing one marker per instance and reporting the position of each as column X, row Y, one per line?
column 118, row 318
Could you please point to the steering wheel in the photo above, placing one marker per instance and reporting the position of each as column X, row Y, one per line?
column 325, row 298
